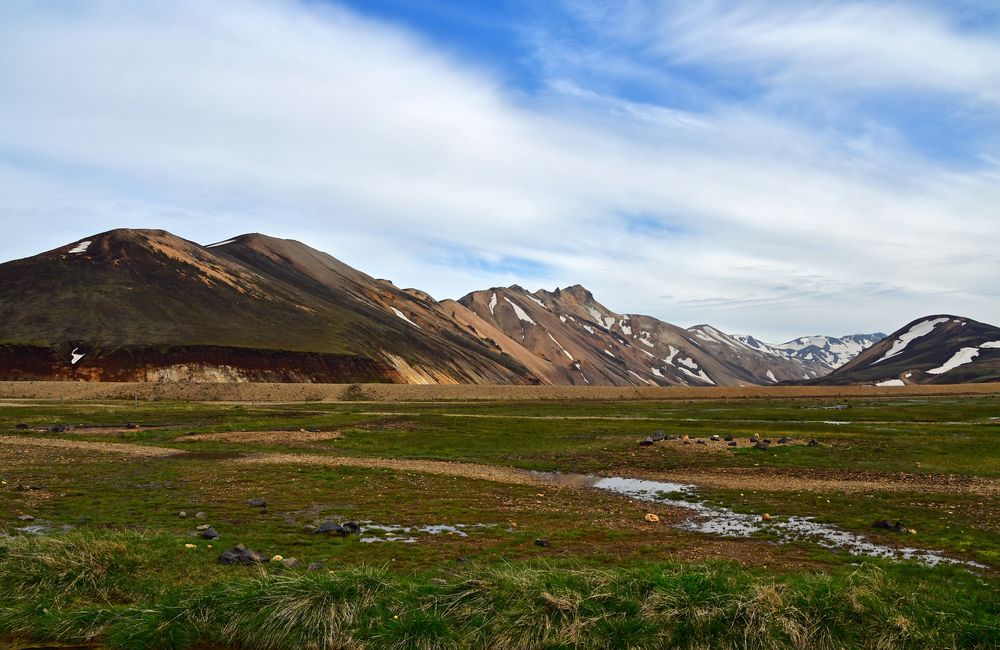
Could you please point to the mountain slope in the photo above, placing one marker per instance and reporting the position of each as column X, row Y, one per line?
column 938, row 349
column 578, row 340
column 134, row 294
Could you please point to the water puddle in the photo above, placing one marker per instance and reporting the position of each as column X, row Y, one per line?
column 372, row 533
column 717, row 520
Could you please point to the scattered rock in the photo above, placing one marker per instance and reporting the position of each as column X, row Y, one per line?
column 308, row 528
column 884, row 524
column 210, row 533
column 291, row 562
column 200, row 515
column 762, row 444
column 767, row 441
column 202, row 527
column 813, row 443
column 651, row 518
column 21, row 427
column 352, row 527
column 754, row 438
column 783, row 440
column 765, row 517
column 330, row 528
column 258, row 502
column 658, row 436
column 131, row 425
column 731, row 443
column 314, row 566
column 59, row 429
column 23, row 487
column 701, row 442
column 714, row 438
column 645, row 442
column 729, row 438
column 544, row 543
column 25, row 518
column 242, row 555
column 182, row 514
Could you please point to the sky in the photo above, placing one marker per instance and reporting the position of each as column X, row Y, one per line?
column 779, row 169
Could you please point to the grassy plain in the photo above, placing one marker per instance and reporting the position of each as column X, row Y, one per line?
column 115, row 564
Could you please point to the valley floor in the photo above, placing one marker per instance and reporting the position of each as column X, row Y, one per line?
column 505, row 524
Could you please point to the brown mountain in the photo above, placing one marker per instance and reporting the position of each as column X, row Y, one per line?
column 147, row 305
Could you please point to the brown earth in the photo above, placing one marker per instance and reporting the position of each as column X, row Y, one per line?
column 144, row 451
column 268, row 392
column 271, row 437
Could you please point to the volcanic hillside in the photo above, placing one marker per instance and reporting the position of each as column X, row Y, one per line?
column 940, row 349
column 139, row 305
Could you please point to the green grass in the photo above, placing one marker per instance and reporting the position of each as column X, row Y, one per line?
column 83, row 589
column 122, row 576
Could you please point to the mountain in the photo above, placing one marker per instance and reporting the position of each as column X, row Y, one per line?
column 147, row 305
column 938, row 349
column 819, row 355
column 568, row 337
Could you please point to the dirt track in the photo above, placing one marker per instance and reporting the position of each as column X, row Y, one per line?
column 144, row 451
column 261, row 392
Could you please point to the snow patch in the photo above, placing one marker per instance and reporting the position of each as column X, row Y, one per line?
column 562, row 318
column 81, row 247
column 608, row 352
column 687, row 361
column 218, row 243
column 493, row 304
column 920, row 329
column 74, row 357
column 673, row 353
column 770, row 375
column 589, row 328
column 521, row 314
column 626, row 330
column 656, row 371
column 891, row 382
column 648, row 354
column 699, row 375
column 561, row 348
column 640, row 377
column 403, row 316
column 535, row 300
column 960, row 358
column 991, row 345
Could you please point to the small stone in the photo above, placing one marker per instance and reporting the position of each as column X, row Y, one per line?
column 202, row 527
column 658, row 436
column 651, row 518
column 25, row 518
column 352, row 527
column 190, row 546
column 762, row 444
column 754, row 438
column 277, row 558
column 765, row 517
column 182, row 514
column 714, row 438
column 258, row 502
column 211, row 533
column 731, row 443
column 645, row 442
column 330, row 528
column 701, row 442
column 290, row 562
column 813, row 443
column 315, row 566
column 309, row 528
column 729, row 438
column 241, row 555
column 911, row 531
column 544, row 543
column 131, row 425
column 21, row 427
column 783, row 440
column 200, row 515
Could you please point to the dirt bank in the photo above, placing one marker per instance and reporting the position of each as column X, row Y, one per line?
column 263, row 392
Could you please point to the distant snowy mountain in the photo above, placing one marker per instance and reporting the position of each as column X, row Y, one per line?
column 819, row 355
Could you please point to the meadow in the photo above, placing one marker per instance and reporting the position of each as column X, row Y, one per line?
column 483, row 523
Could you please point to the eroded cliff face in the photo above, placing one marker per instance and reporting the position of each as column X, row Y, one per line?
column 189, row 363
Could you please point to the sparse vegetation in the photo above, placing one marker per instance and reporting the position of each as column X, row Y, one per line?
column 116, row 564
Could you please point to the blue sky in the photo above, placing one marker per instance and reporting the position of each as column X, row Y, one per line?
column 779, row 169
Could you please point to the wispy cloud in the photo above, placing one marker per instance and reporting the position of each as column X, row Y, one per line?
column 368, row 141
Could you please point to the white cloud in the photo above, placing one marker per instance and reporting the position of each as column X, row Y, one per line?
column 212, row 119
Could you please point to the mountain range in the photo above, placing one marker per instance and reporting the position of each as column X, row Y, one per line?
column 145, row 305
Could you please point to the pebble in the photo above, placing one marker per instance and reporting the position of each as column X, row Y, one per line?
column 182, row 514
column 25, row 518
column 200, row 515
column 650, row 517
column 315, row 566
column 211, row 533
column 544, row 543
column 202, row 527
column 258, row 502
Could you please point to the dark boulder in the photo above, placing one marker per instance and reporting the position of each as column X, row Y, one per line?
column 242, row 555
column 258, row 502
column 21, row 427
column 544, row 543
column 645, row 442
column 814, row 443
column 210, row 533
column 731, row 443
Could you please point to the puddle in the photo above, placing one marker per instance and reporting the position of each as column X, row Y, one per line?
column 372, row 533
column 717, row 520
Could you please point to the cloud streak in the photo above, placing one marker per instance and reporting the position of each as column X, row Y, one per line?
column 370, row 142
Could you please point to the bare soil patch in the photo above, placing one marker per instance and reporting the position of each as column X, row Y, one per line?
column 125, row 449
column 266, row 437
